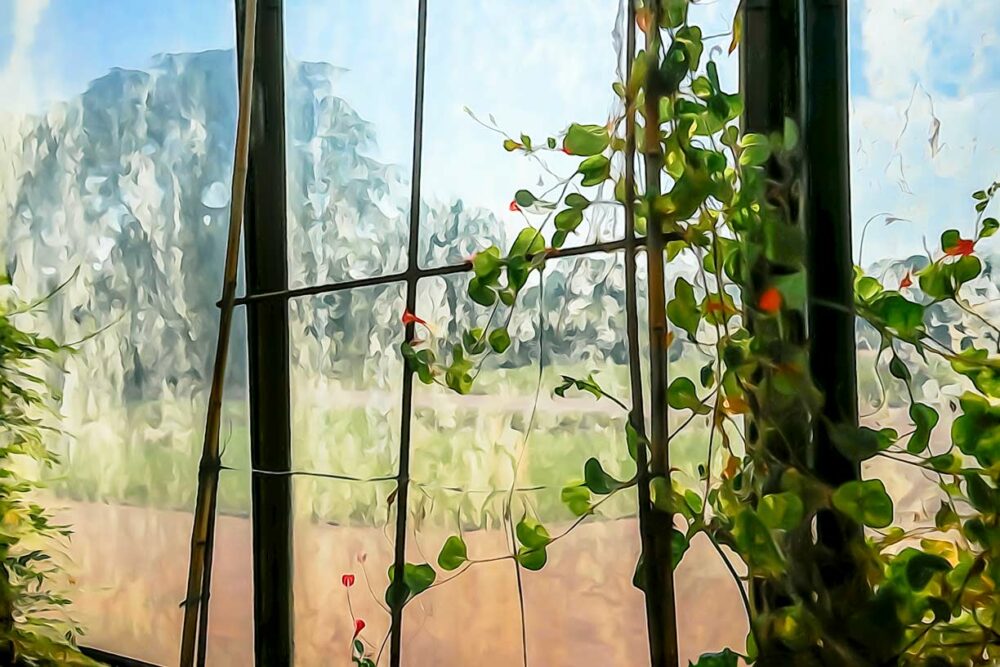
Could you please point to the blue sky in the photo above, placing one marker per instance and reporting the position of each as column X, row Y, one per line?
column 532, row 64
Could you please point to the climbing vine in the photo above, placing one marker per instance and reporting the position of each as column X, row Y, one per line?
column 827, row 573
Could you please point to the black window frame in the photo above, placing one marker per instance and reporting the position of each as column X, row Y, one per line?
column 794, row 52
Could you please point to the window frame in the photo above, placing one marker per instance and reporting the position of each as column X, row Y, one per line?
column 798, row 51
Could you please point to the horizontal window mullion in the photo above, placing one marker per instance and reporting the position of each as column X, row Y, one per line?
column 420, row 273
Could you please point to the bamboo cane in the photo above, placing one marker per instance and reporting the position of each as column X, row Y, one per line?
column 663, row 642
column 203, row 531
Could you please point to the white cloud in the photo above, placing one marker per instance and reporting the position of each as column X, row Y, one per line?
column 924, row 62
column 17, row 79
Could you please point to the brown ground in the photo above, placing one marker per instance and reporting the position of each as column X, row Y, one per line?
column 581, row 610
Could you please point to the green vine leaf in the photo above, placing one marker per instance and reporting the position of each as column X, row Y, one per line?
column 589, row 385
column 586, row 140
column 756, row 544
column 454, row 553
column 420, row 362
column 976, row 365
column 568, row 220
column 683, row 310
column 724, row 658
column 981, row 495
column 781, row 511
column 595, row 170
column 977, row 432
column 499, row 340
column 416, row 579
column 597, row 480
column 634, row 441
column 925, row 418
column 577, row 498
column 577, row 201
column 942, row 280
column 756, row 149
column 674, row 13
column 682, row 395
column 860, row 444
column 532, row 559
column 524, row 198
column 866, row 502
column 458, row 376
column 532, row 534
column 921, row 568
column 481, row 292
column 904, row 317
column 474, row 340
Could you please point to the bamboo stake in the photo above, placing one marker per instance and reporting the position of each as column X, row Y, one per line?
column 663, row 639
column 203, row 530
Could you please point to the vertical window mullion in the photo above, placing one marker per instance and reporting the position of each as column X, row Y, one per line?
column 267, row 333
column 827, row 213
column 412, row 277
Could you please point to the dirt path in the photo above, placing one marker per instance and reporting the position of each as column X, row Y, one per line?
column 581, row 609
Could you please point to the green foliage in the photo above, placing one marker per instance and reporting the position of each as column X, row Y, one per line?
column 417, row 578
column 890, row 594
column 31, row 629
column 453, row 554
column 866, row 502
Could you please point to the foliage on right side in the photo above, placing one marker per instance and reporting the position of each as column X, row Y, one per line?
column 828, row 575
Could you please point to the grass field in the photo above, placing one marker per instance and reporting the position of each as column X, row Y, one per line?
column 464, row 448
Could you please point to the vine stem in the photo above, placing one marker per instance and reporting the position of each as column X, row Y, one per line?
column 739, row 584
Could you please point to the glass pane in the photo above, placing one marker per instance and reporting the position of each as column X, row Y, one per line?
column 503, row 68
column 341, row 529
column 920, row 76
column 468, row 451
column 115, row 169
column 349, row 140
column 346, row 376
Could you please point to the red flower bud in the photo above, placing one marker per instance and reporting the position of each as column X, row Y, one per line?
column 906, row 281
column 963, row 247
column 359, row 625
column 770, row 300
column 347, row 580
column 410, row 318
column 513, row 206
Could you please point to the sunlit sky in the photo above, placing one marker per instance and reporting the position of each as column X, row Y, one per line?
column 533, row 65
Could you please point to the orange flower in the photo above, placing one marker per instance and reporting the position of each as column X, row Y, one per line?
column 642, row 19
column 410, row 318
column 906, row 281
column 963, row 247
column 770, row 300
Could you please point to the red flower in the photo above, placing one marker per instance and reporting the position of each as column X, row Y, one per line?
column 513, row 206
column 963, row 247
column 770, row 300
column 359, row 625
column 347, row 580
column 906, row 281
column 410, row 318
